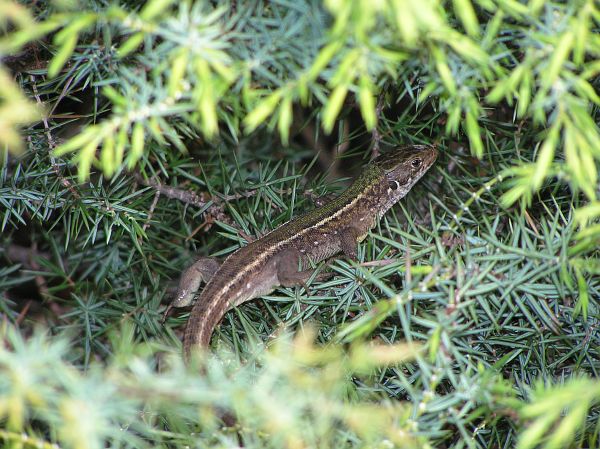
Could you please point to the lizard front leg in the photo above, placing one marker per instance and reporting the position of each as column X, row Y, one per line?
column 349, row 238
column 289, row 272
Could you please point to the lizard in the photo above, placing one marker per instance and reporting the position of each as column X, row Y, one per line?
column 284, row 256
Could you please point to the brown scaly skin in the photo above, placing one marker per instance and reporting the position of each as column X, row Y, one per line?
column 274, row 260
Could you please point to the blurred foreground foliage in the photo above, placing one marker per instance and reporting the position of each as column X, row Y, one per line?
column 293, row 395
column 490, row 266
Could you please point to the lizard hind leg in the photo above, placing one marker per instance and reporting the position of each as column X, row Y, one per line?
column 200, row 271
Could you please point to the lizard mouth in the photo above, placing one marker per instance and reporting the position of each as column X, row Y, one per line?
column 430, row 155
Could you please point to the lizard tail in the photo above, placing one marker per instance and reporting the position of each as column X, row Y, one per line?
column 203, row 319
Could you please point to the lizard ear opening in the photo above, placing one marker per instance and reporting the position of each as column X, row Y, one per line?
column 397, row 181
column 393, row 184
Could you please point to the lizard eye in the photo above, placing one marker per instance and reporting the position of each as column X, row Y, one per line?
column 416, row 163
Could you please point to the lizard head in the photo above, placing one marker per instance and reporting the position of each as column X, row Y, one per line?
column 401, row 168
